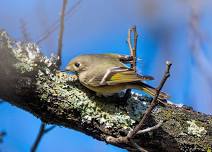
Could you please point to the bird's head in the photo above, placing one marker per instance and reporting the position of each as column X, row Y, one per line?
column 78, row 64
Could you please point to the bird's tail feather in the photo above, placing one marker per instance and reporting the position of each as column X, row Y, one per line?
column 151, row 90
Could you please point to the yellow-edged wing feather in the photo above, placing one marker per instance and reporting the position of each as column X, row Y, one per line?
column 126, row 76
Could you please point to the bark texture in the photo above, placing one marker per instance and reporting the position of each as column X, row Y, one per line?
column 31, row 82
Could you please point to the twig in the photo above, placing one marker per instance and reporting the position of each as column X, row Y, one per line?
column 39, row 137
column 2, row 134
column 153, row 103
column 43, row 130
column 49, row 129
column 133, row 48
column 56, row 24
column 24, row 31
column 137, row 146
column 150, row 128
column 137, row 129
column 60, row 39
column 133, row 54
column 197, row 45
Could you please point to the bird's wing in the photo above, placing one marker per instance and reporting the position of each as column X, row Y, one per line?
column 126, row 76
column 121, row 58
column 115, row 75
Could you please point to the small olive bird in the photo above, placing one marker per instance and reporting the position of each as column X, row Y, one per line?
column 107, row 74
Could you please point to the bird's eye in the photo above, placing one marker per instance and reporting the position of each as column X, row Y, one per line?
column 77, row 64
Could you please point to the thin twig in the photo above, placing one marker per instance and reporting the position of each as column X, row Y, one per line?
column 153, row 103
column 137, row 146
column 197, row 45
column 127, row 139
column 49, row 129
column 129, row 42
column 43, row 130
column 60, row 39
column 150, row 128
column 56, row 24
column 133, row 54
column 133, row 49
column 39, row 137
column 2, row 134
column 24, row 31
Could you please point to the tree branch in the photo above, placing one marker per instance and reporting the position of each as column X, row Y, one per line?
column 153, row 103
column 31, row 82
column 43, row 129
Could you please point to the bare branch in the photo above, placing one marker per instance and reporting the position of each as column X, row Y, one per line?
column 2, row 134
column 133, row 54
column 39, row 137
column 150, row 128
column 133, row 48
column 43, row 130
column 56, row 24
column 137, row 146
column 24, row 31
column 147, row 113
column 60, row 39
column 197, row 45
column 153, row 103
column 49, row 129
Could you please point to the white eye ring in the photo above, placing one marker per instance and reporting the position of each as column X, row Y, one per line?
column 77, row 64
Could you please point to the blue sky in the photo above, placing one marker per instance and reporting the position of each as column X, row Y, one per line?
column 100, row 26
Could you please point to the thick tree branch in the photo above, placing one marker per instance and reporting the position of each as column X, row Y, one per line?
column 31, row 82
column 43, row 129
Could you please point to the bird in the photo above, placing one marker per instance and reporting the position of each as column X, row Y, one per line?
column 107, row 74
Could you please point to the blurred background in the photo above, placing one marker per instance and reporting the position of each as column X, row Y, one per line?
column 177, row 30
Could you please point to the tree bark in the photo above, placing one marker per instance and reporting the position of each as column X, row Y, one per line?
column 31, row 82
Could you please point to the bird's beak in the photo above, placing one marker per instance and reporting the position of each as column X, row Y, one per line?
column 64, row 70
column 67, row 69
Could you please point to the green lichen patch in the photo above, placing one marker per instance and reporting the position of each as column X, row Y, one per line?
column 74, row 97
column 29, row 58
column 194, row 129
column 26, row 54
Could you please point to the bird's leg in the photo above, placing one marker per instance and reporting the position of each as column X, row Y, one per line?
column 127, row 95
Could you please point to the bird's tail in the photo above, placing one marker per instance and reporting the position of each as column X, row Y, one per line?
column 150, row 90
